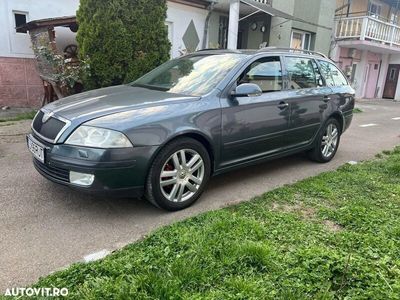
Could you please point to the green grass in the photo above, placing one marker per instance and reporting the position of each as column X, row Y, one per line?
column 334, row 236
column 357, row 110
column 20, row 117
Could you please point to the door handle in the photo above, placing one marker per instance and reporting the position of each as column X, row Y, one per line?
column 326, row 99
column 282, row 105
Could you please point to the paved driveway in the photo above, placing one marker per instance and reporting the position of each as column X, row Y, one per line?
column 44, row 227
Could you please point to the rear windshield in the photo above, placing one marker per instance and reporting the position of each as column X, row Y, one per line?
column 190, row 75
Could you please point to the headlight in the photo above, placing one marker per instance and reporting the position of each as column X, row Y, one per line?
column 98, row 138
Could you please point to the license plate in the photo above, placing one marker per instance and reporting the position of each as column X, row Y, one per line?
column 36, row 150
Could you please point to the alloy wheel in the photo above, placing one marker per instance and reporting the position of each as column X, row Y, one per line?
column 329, row 140
column 182, row 175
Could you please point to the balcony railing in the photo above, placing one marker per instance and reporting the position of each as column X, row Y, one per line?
column 368, row 28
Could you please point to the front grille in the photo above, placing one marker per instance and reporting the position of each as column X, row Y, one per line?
column 48, row 129
column 51, row 171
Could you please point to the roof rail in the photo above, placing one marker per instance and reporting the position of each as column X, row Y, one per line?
column 266, row 49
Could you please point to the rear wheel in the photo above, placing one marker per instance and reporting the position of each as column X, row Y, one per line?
column 327, row 142
column 178, row 174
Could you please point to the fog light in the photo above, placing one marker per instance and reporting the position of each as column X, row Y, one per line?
column 81, row 178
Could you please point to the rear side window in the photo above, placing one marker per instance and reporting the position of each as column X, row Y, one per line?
column 301, row 72
column 333, row 76
column 266, row 73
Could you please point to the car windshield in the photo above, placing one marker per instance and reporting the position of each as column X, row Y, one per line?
column 190, row 75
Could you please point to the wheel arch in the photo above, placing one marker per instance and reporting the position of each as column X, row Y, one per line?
column 196, row 135
column 338, row 116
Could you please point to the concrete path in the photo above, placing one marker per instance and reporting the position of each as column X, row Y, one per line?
column 45, row 227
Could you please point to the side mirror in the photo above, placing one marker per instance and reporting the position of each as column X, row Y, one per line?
column 247, row 90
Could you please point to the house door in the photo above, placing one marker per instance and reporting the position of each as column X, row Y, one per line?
column 391, row 81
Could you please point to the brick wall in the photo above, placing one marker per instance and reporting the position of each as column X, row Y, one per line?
column 20, row 84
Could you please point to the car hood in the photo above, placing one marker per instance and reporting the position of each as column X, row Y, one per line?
column 97, row 103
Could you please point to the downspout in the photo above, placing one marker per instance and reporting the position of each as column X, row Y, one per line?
column 207, row 24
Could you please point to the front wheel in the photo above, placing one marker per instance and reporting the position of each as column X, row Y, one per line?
column 327, row 142
column 178, row 174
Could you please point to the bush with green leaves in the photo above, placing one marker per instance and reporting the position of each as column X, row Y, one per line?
column 121, row 39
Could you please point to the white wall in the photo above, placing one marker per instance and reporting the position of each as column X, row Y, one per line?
column 382, row 74
column 360, row 83
column 14, row 44
column 178, row 19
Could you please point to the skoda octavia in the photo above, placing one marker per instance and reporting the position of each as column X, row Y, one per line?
column 164, row 135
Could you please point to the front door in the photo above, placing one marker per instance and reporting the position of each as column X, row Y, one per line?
column 391, row 81
column 255, row 126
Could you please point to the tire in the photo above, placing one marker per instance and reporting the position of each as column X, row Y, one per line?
column 174, row 183
column 320, row 153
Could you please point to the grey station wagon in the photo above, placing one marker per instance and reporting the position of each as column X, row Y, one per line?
column 209, row 112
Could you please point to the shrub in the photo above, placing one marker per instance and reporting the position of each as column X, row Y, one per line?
column 121, row 39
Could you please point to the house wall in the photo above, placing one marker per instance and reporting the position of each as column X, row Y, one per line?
column 366, row 85
column 179, row 17
column 252, row 39
column 20, row 85
column 18, row 44
column 323, row 37
column 213, row 29
column 281, row 30
column 358, row 6
column 382, row 74
column 322, row 13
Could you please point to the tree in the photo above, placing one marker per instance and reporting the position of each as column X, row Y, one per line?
column 120, row 40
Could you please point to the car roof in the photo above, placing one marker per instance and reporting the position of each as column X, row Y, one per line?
column 269, row 50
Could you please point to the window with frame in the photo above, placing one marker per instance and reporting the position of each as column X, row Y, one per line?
column 265, row 72
column 394, row 18
column 300, row 40
column 375, row 10
column 20, row 18
column 303, row 73
column 332, row 74
column 392, row 74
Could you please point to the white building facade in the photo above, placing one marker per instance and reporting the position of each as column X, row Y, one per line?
column 20, row 84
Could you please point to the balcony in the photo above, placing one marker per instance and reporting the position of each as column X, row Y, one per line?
column 366, row 28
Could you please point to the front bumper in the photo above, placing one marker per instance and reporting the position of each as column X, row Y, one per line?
column 117, row 171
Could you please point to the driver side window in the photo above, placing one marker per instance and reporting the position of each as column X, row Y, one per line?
column 265, row 72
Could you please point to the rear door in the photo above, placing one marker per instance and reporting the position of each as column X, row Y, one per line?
column 308, row 98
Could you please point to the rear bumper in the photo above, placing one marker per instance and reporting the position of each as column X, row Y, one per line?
column 120, row 172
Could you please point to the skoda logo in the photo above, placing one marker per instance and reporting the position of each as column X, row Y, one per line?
column 47, row 116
